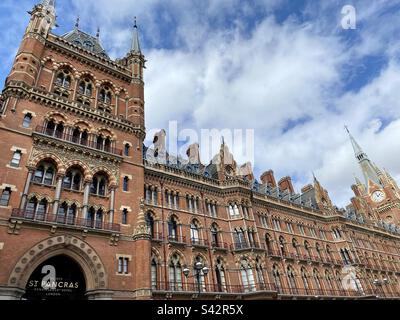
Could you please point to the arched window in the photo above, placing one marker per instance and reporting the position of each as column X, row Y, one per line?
column 91, row 216
column 31, row 208
column 317, row 281
column 304, row 278
column 124, row 216
column 41, row 210
column 214, row 235
column 84, row 138
column 329, row 281
column 76, row 135
column 194, row 232
column 85, row 87
column 105, row 99
column 277, row 277
column 63, row 79
column 71, row 215
column 173, row 229
column 99, row 219
column 59, row 131
column 240, row 241
column 154, row 278
column 126, row 184
column 73, row 180
column 291, row 280
column 27, row 120
column 127, row 148
column 50, row 128
column 175, row 274
column 247, row 276
column 99, row 185
column 220, row 275
column 260, row 274
column 44, row 174
column 150, row 223
column 62, row 213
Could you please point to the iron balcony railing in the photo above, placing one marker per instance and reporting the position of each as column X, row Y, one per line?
column 83, row 142
column 65, row 220
column 210, row 288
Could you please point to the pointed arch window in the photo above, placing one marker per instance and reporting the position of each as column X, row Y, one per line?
column 277, row 277
column 260, row 274
column 154, row 272
column 220, row 276
column 304, row 278
column 63, row 79
column 194, row 232
column 291, row 279
column 175, row 274
column 99, row 185
column 85, row 87
column 150, row 223
column 214, row 236
column 124, row 216
column 44, row 174
column 247, row 276
column 173, row 229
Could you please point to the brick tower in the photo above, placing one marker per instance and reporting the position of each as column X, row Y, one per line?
column 71, row 135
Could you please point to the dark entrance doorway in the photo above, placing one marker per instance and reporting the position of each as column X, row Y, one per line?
column 58, row 278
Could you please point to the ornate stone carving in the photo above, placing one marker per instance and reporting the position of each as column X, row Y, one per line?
column 63, row 154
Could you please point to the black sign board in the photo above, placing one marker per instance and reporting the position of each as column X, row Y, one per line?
column 58, row 278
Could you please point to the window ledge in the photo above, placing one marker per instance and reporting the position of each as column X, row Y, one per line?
column 12, row 167
column 123, row 274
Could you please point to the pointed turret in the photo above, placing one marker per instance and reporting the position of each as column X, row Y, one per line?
column 370, row 172
column 135, row 48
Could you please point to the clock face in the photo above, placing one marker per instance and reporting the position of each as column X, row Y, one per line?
column 378, row 196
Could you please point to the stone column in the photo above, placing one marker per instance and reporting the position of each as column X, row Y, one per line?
column 26, row 189
column 85, row 199
column 58, row 194
column 116, row 104
column 112, row 204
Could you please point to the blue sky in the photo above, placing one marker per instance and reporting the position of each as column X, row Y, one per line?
column 286, row 69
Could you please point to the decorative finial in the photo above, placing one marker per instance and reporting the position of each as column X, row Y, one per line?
column 77, row 23
column 347, row 129
column 135, row 24
column 98, row 33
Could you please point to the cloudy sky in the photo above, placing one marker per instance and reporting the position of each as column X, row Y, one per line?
column 285, row 68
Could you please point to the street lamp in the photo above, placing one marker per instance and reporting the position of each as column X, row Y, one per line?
column 198, row 267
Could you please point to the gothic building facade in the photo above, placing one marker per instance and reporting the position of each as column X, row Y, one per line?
column 88, row 212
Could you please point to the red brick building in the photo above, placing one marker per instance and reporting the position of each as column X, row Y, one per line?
column 87, row 211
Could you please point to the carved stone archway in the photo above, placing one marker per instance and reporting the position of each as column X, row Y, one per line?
column 73, row 247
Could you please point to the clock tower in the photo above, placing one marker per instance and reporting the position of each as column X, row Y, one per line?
column 378, row 196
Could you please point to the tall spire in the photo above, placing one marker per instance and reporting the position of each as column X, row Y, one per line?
column 368, row 169
column 135, row 41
